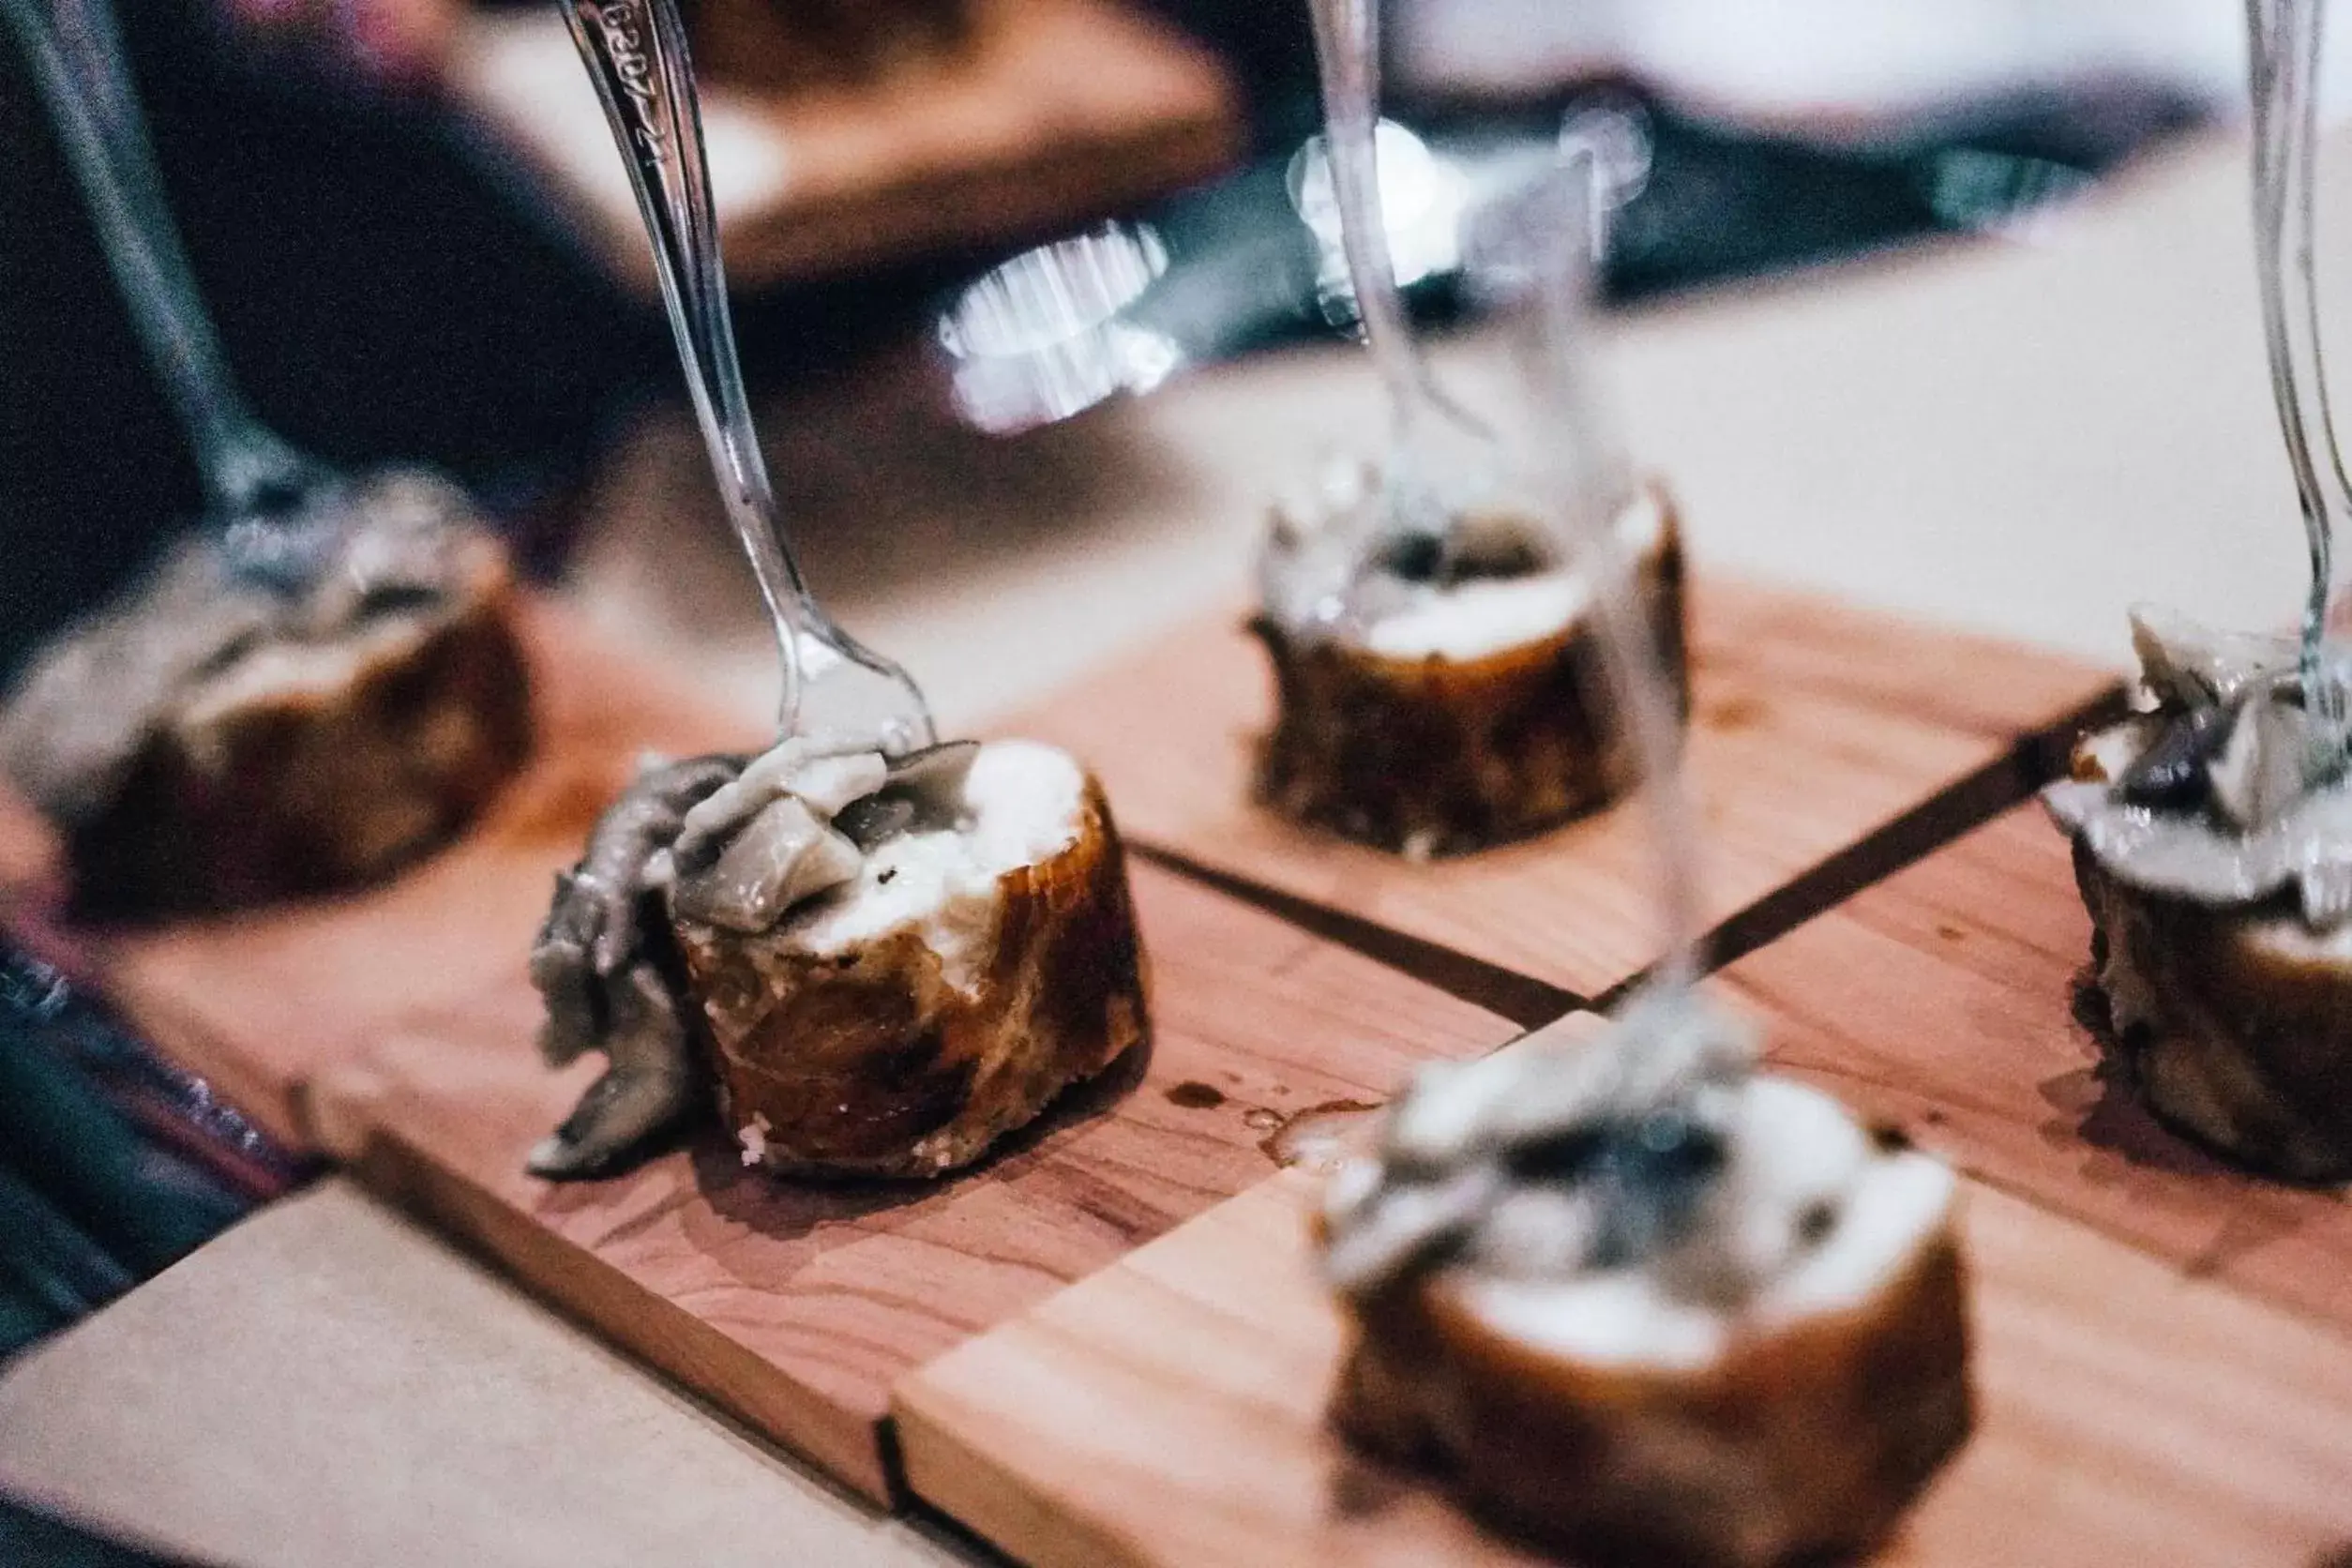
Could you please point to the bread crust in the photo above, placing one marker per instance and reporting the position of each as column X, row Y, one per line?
column 1811, row 1439
column 2237, row 1035
column 298, row 789
column 1431, row 756
column 871, row 1063
column 2236, row 1026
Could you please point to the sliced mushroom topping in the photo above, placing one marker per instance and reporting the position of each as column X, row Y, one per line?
column 925, row 794
column 2260, row 772
column 824, row 782
column 598, row 966
column 1534, row 1232
column 2187, row 665
column 2243, row 793
column 2172, row 772
column 1549, row 1158
column 2309, row 846
column 1409, row 1226
column 597, row 926
column 781, row 856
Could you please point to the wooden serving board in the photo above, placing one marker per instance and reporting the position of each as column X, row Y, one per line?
column 1945, row 998
column 395, row 1028
column 1827, row 744
column 1169, row 1412
column 1060, row 111
column 796, row 1306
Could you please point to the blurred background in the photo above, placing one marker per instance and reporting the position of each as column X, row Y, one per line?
column 966, row 236
column 418, row 243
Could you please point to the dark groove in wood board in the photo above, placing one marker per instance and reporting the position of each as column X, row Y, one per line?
column 1522, row 999
column 1960, row 809
column 1919, row 832
column 1969, row 803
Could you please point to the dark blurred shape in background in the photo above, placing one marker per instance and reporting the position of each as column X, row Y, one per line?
column 392, row 281
column 113, row 1162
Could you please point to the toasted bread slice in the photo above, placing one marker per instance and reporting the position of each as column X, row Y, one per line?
column 900, row 1025
column 2236, row 1023
column 1471, row 720
column 1762, row 1359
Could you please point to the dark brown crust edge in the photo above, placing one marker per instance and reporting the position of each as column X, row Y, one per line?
column 2247, row 1052
column 1811, row 1442
column 313, row 797
column 2244, row 1052
column 1443, row 756
column 873, row 1065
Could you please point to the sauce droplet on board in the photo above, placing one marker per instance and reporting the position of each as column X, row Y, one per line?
column 1321, row 1136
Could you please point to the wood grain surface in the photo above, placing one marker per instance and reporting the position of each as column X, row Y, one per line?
column 797, row 1305
column 1169, row 1412
column 1945, row 998
column 396, row 1029
column 1058, row 112
column 259, row 1002
column 1816, row 727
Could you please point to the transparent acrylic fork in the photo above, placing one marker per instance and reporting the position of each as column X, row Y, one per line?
column 1536, row 246
column 1441, row 456
column 270, row 503
column 635, row 50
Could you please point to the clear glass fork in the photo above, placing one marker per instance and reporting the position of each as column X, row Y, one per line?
column 635, row 50
column 274, row 506
column 1442, row 459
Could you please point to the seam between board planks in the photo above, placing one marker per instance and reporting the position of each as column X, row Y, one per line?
column 1959, row 808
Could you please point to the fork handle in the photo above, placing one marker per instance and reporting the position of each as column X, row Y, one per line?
column 79, row 69
column 636, row 52
column 1347, row 44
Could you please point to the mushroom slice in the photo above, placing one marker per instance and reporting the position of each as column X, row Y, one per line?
column 782, row 856
column 925, row 794
column 2172, row 771
column 825, row 782
column 1406, row 1227
column 2261, row 770
column 2188, row 664
column 648, row 1086
column 595, row 964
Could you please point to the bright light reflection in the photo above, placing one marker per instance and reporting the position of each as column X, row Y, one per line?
column 1041, row 337
column 1422, row 196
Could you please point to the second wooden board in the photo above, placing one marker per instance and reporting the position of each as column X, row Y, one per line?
column 1815, row 727
column 1170, row 1412
column 1946, row 999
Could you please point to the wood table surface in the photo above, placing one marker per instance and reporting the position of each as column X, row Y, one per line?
column 2016, row 438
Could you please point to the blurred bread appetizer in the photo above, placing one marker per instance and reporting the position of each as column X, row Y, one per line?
column 1634, row 1298
column 224, row 735
column 1458, row 703
column 2213, row 847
